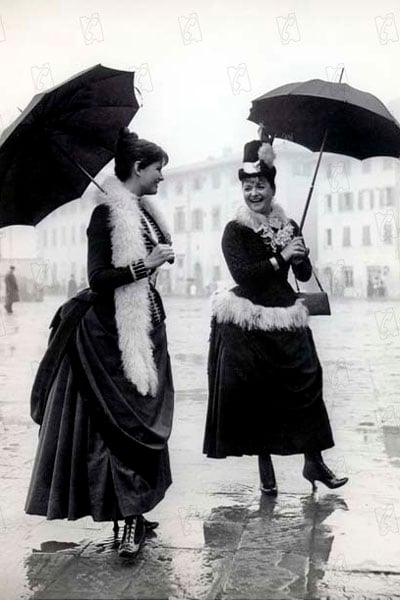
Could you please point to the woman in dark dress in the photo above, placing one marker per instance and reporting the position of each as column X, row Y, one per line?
column 103, row 394
column 265, row 379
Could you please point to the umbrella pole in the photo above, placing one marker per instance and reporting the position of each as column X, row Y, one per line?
column 303, row 218
column 77, row 164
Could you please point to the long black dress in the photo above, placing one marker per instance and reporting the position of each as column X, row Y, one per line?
column 102, row 446
column 265, row 379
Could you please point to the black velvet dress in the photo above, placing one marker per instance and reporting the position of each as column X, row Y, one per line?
column 265, row 385
column 102, row 446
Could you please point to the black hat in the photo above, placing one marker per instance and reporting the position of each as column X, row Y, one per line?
column 258, row 158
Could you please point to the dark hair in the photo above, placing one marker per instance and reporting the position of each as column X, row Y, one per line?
column 130, row 148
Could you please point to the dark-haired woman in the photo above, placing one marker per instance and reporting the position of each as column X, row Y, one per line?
column 265, row 379
column 103, row 394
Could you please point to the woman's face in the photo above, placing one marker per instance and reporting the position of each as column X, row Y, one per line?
column 150, row 177
column 258, row 194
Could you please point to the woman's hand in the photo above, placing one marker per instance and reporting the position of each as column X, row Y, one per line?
column 295, row 251
column 158, row 256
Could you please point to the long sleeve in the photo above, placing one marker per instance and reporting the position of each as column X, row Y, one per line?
column 103, row 276
column 245, row 256
column 303, row 269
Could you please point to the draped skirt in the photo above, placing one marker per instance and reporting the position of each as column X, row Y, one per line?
column 102, row 447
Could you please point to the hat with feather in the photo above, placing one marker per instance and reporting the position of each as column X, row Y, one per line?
column 258, row 159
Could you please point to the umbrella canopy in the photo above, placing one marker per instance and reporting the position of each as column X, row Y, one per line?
column 356, row 122
column 77, row 121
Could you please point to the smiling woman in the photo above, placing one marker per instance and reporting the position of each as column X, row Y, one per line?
column 265, row 379
column 104, row 394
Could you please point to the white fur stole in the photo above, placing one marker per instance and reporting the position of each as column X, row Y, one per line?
column 132, row 307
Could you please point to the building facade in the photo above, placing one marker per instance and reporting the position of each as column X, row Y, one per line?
column 197, row 200
column 358, row 227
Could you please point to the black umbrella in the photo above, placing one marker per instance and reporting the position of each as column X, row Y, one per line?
column 330, row 117
column 75, row 122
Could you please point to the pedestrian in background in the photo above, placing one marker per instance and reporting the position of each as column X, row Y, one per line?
column 72, row 287
column 265, row 379
column 12, row 292
column 106, row 406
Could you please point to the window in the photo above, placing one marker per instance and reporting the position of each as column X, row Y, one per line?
column 197, row 183
column 366, row 235
column 82, row 233
column 346, row 236
column 346, row 201
column 179, row 187
column 180, row 259
column 381, row 194
column 44, row 238
column 179, row 219
column 197, row 220
column 328, row 237
column 301, row 168
column 215, row 218
column 389, row 196
column 216, row 273
column 366, row 166
column 361, row 200
column 387, row 233
column 216, row 179
column 371, row 199
column 63, row 236
column 328, row 203
column 54, row 237
column 73, row 235
column 348, row 277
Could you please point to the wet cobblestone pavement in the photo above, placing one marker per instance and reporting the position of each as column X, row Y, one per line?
column 217, row 537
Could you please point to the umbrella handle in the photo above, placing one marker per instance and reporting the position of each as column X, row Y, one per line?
column 303, row 218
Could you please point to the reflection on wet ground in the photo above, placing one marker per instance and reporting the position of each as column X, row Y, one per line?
column 218, row 538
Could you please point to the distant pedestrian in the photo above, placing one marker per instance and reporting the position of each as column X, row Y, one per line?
column 72, row 287
column 12, row 292
column 265, row 379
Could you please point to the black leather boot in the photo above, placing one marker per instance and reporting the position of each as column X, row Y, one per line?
column 316, row 470
column 132, row 538
column 267, row 475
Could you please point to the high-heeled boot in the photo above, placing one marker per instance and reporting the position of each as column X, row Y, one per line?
column 132, row 538
column 316, row 470
column 267, row 475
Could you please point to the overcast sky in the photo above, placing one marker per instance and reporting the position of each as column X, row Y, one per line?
column 199, row 63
